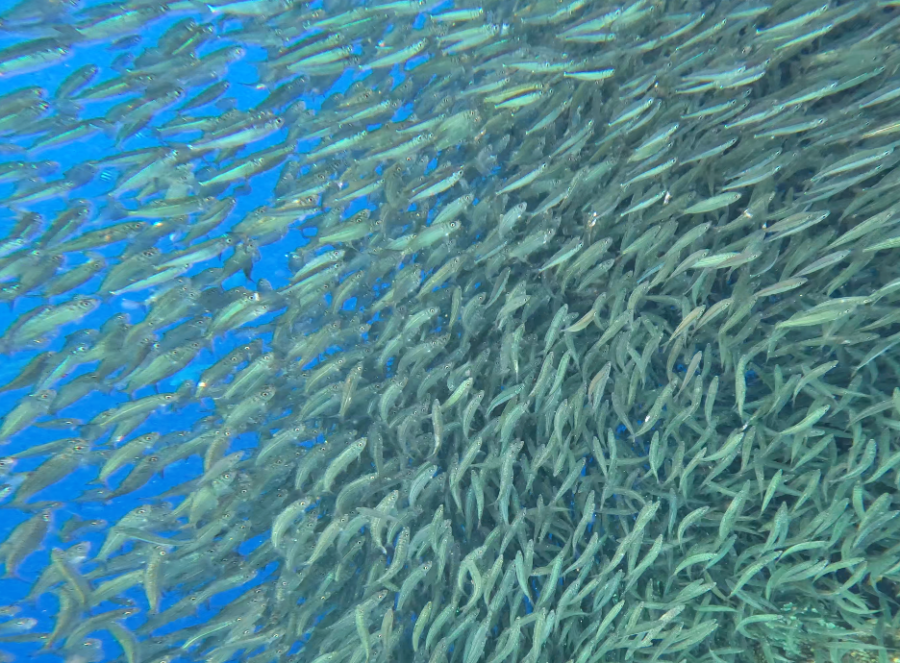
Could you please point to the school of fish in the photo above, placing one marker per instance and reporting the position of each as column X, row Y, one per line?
column 565, row 332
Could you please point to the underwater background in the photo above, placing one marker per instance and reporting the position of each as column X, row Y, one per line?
column 540, row 332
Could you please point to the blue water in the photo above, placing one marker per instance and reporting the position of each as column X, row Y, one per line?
column 245, row 93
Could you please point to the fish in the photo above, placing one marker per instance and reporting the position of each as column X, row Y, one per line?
column 399, row 331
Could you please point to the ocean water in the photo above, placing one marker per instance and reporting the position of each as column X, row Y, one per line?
column 245, row 92
column 646, row 148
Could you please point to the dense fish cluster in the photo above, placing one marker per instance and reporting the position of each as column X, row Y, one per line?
column 531, row 332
